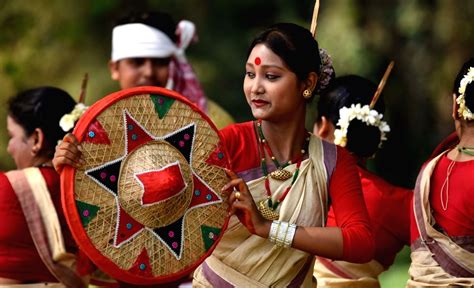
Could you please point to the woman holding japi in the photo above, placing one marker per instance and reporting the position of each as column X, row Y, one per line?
column 442, row 219
column 350, row 116
column 288, row 177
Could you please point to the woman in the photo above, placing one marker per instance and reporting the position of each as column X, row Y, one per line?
column 388, row 205
column 442, row 219
column 291, row 176
column 31, row 207
column 286, row 175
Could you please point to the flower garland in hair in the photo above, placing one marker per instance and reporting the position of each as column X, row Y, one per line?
column 68, row 121
column 363, row 113
column 463, row 110
column 327, row 70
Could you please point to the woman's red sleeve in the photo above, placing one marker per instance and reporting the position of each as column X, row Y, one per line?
column 350, row 210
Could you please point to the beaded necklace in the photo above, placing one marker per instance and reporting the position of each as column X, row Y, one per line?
column 466, row 150
column 267, row 207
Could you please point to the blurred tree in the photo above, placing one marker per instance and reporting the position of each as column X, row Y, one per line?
column 55, row 42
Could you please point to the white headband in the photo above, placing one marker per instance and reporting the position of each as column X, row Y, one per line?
column 139, row 40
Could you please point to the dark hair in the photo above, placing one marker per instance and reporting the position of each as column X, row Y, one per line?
column 469, row 93
column 362, row 139
column 159, row 20
column 42, row 108
column 294, row 45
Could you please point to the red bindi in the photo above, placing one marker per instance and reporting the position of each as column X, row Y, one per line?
column 258, row 61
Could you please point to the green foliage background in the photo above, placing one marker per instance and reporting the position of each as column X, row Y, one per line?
column 54, row 42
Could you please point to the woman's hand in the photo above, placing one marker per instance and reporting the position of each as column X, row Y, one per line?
column 242, row 205
column 68, row 152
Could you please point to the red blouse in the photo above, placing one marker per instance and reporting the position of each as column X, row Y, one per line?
column 19, row 259
column 388, row 208
column 344, row 189
column 458, row 218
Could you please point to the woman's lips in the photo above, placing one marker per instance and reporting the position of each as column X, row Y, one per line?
column 259, row 103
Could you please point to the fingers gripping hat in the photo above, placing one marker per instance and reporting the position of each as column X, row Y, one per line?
column 146, row 205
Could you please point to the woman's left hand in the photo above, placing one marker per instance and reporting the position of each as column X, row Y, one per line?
column 242, row 205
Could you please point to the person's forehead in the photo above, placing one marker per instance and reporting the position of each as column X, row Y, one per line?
column 262, row 55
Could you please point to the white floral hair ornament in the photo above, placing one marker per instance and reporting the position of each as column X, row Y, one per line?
column 463, row 110
column 363, row 113
column 68, row 121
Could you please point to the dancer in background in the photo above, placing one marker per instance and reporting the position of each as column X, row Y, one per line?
column 35, row 243
column 345, row 118
column 442, row 219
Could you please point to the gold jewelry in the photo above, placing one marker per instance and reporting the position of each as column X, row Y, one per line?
column 237, row 195
column 266, row 212
column 281, row 174
column 307, row 93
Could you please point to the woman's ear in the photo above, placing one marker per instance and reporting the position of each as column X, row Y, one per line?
column 455, row 108
column 38, row 141
column 325, row 129
column 114, row 70
column 311, row 81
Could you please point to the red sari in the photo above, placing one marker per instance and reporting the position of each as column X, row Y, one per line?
column 19, row 258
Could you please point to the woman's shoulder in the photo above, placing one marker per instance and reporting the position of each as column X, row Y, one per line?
column 238, row 131
column 4, row 182
column 242, row 127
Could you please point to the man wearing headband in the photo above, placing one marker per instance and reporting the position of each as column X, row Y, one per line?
column 148, row 50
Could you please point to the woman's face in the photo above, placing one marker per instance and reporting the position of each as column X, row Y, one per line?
column 135, row 72
column 19, row 146
column 273, row 92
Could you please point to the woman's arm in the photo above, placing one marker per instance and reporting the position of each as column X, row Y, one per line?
column 351, row 241
column 350, row 210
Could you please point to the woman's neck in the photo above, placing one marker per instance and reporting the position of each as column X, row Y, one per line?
column 466, row 141
column 286, row 139
column 42, row 162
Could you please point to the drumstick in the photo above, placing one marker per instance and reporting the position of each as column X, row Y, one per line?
column 314, row 21
column 381, row 84
column 82, row 96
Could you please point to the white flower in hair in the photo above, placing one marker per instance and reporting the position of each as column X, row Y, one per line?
column 68, row 121
column 363, row 113
column 463, row 110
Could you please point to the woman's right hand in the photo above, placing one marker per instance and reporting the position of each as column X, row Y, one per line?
column 68, row 152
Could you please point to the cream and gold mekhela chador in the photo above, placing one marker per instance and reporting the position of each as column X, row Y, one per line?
column 242, row 259
column 332, row 273
column 436, row 253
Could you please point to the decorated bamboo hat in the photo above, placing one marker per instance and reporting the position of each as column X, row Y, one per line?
column 146, row 205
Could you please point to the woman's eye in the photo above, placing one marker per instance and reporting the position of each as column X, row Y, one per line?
column 272, row 76
column 251, row 75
